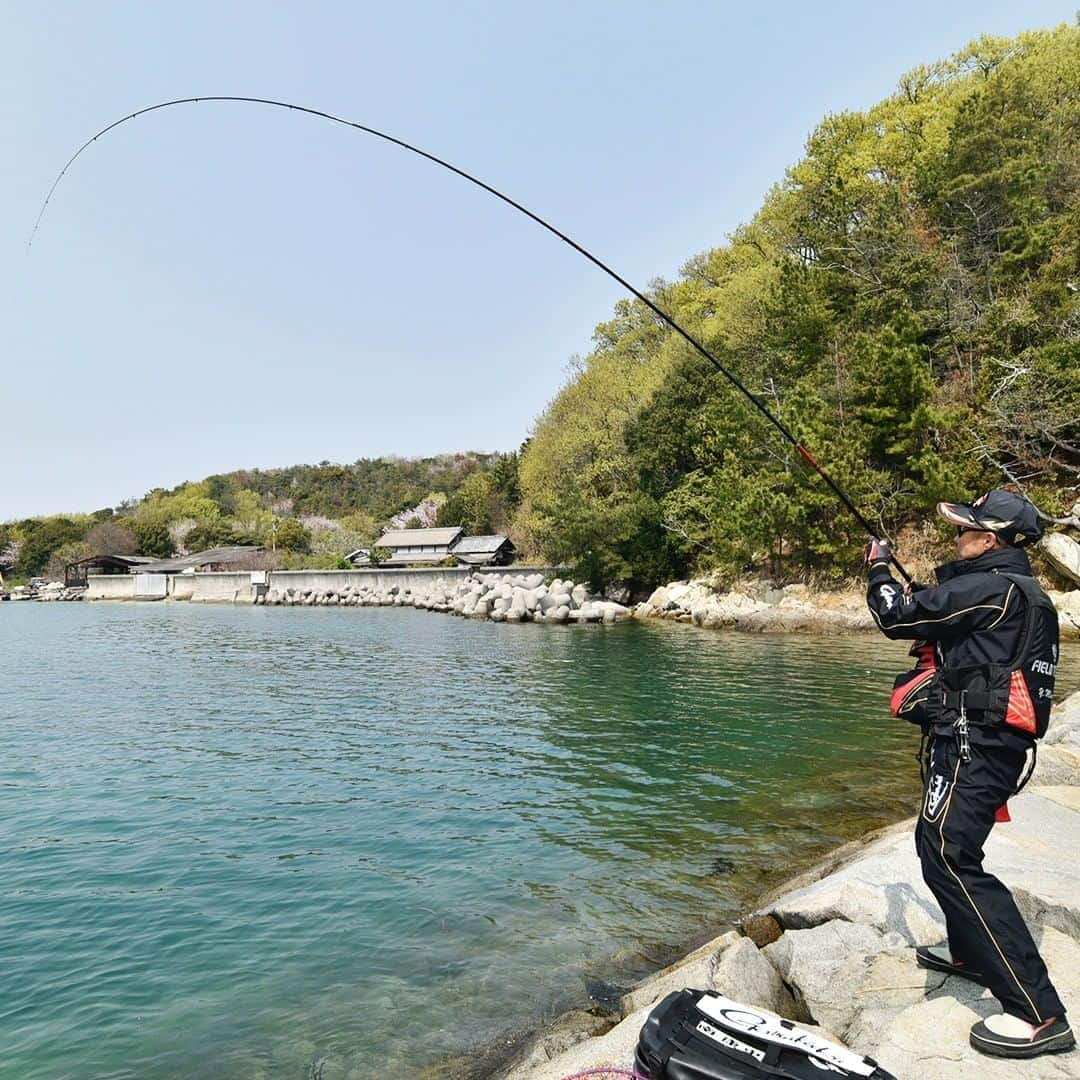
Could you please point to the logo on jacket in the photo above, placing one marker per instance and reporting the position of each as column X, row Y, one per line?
column 935, row 793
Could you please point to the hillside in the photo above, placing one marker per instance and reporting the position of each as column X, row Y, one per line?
column 309, row 514
column 907, row 300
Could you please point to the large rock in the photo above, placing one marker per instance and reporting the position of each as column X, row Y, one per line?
column 659, row 599
column 697, row 969
column 1063, row 553
column 883, row 889
column 744, row 974
column 614, row 1050
column 1027, row 855
column 1058, row 764
column 904, row 908
column 1068, row 609
column 827, row 966
column 1065, row 723
column 569, row 1030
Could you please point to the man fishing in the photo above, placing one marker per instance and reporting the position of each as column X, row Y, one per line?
column 994, row 635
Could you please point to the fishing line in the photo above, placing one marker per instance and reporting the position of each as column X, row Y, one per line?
column 776, row 422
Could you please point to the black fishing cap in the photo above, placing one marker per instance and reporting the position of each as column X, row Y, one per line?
column 1000, row 512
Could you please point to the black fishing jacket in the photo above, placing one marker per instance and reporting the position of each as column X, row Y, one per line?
column 975, row 616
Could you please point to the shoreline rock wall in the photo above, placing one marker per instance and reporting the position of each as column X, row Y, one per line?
column 759, row 607
column 512, row 598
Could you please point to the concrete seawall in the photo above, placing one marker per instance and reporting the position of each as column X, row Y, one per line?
column 235, row 587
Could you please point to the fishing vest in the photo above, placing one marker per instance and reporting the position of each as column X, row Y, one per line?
column 1016, row 695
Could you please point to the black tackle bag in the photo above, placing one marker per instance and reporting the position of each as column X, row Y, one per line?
column 701, row 1035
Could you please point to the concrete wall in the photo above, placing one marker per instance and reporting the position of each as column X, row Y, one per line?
column 110, row 587
column 235, row 586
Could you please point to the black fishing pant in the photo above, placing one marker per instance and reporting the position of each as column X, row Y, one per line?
column 986, row 931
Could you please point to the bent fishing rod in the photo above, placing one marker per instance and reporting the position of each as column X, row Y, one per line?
column 775, row 421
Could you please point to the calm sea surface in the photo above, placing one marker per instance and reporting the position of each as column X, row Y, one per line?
column 260, row 843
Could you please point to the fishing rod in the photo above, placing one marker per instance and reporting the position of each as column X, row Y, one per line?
column 776, row 422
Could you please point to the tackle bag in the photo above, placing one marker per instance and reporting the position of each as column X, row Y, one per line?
column 701, row 1035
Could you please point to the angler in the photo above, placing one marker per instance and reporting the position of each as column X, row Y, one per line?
column 987, row 643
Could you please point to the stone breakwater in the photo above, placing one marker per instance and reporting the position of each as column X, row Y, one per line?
column 501, row 598
column 834, row 948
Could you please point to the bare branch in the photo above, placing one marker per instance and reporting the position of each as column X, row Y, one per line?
column 1072, row 521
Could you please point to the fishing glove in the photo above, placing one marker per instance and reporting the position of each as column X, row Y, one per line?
column 876, row 553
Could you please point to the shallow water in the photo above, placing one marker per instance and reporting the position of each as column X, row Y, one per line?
column 257, row 843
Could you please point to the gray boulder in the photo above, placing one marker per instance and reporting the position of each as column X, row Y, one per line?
column 743, row 973
column 827, row 967
column 1063, row 553
column 697, row 970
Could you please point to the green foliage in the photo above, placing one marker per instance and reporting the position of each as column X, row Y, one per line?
column 212, row 534
column 377, row 555
column 40, row 538
column 380, row 487
column 907, row 301
column 152, row 538
column 292, row 536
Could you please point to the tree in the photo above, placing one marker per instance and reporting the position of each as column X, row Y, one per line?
column 110, row 539
column 292, row 536
column 472, row 506
column 41, row 538
column 152, row 538
column 212, row 534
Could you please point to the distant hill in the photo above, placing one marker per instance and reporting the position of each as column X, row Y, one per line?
column 309, row 515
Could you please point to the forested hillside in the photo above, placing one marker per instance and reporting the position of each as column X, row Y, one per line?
column 310, row 515
column 907, row 299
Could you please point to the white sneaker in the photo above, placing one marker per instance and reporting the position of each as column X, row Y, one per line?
column 1005, row 1035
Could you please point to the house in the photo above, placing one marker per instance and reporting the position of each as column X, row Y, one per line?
column 359, row 557
column 75, row 572
column 413, row 547
column 236, row 557
column 494, row 550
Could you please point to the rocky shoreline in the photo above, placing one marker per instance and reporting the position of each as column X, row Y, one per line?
column 760, row 607
column 753, row 606
column 833, row 948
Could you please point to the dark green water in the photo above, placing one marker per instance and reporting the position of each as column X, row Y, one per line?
column 237, row 842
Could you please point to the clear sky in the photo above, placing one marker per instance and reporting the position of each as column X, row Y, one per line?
column 225, row 286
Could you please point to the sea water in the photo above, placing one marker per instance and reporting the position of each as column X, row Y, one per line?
column 283, row 843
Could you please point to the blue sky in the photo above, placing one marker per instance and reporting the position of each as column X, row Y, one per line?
column 223, row 286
